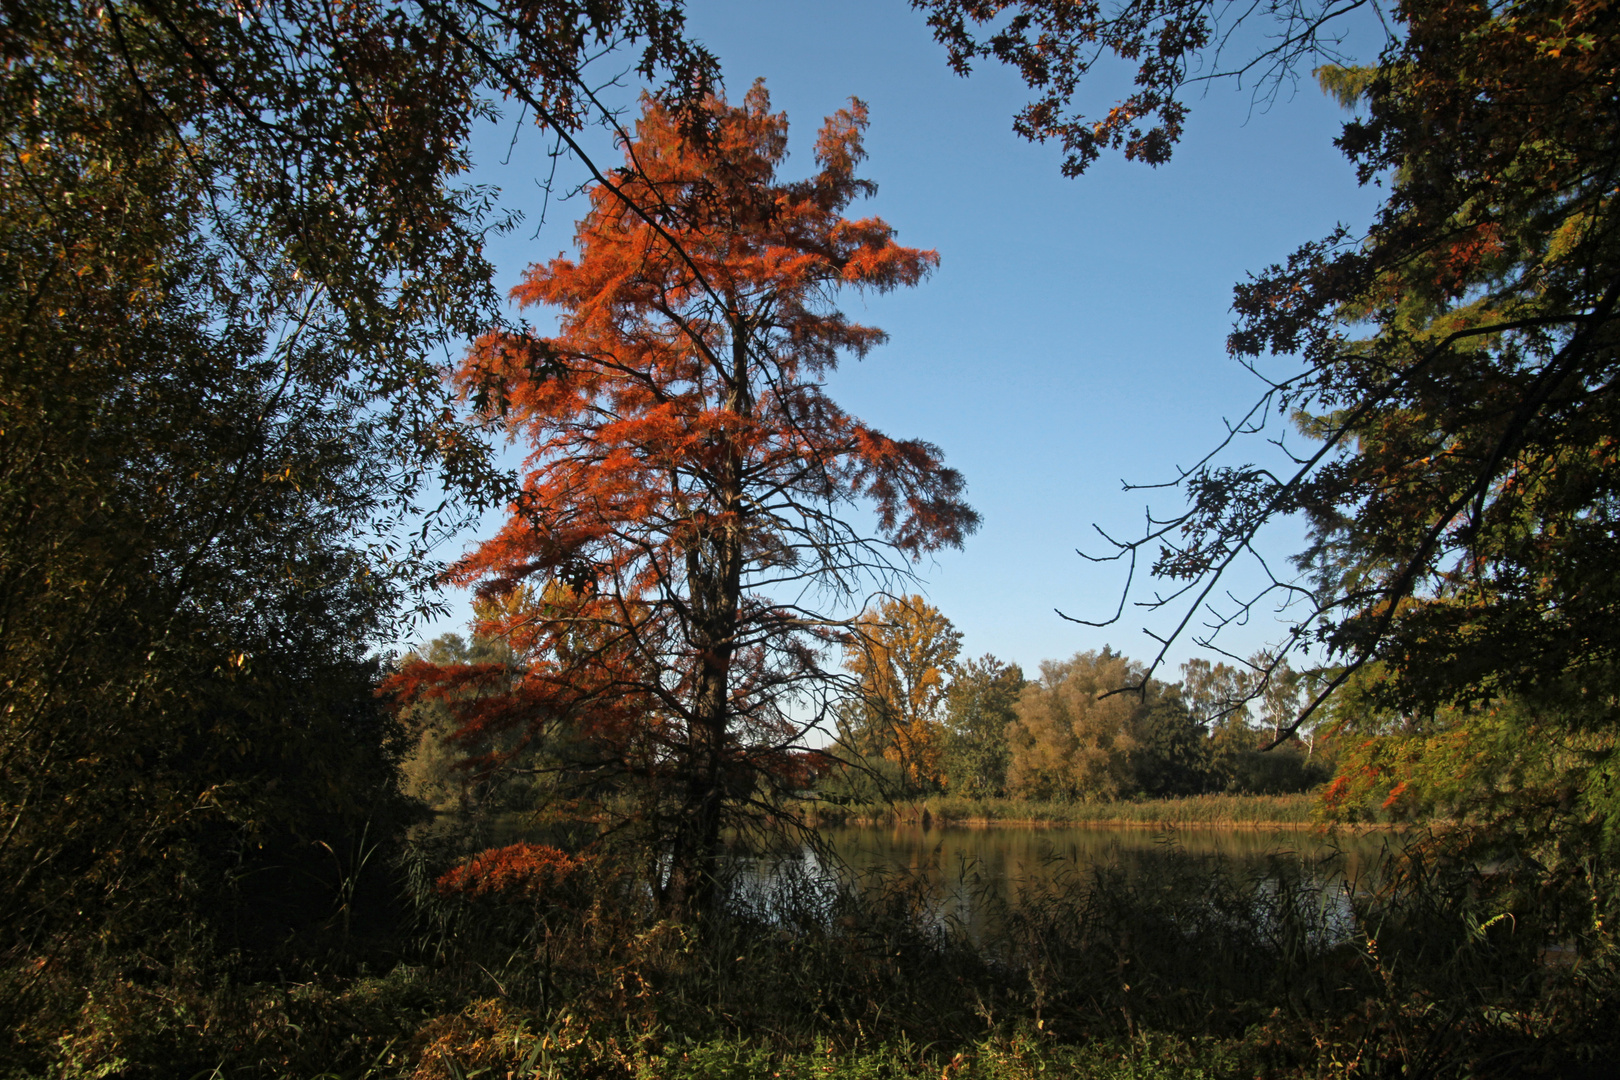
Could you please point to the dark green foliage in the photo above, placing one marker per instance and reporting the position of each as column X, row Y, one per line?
column 981, row 702
column 1244, row 757
column 1287, row 768
column 435, row 767
column 860, row 779
column 1172, row 756
column 186, row 606
column 232, row 254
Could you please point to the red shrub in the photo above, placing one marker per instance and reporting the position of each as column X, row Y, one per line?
column 532, row 871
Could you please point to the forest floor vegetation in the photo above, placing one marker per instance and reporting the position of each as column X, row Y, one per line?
column 560, row 967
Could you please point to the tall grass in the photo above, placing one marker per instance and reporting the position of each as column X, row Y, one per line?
column 1229, row 811
column 1186, row 967
column 1265, row 972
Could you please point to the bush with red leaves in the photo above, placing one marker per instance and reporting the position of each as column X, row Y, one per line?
column 526, row 871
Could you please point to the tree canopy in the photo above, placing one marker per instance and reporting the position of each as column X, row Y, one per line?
column 1453, row 396
column 1077, row 737
column 1457, row 378
column 688, row 481
column 981, row 701
column 236, row 243
column 1455, row 374
column 1174, row 45
column 902, row 654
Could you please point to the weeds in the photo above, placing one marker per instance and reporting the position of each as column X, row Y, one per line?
column 1188, row 968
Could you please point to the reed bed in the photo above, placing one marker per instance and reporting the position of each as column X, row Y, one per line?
column 1196, row 811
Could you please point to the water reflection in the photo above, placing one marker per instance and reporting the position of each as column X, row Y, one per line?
column 1010, row 854
column 969, row 878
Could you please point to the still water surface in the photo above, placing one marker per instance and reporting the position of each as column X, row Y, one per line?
column 963, row 874
column 1011, row 852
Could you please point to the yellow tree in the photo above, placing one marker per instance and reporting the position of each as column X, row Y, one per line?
column 1075, row 736
column 902, row 654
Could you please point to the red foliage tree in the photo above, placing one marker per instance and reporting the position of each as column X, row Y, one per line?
column 688, row 478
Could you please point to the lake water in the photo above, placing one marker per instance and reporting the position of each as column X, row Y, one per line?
column 1011, row 853
column 964, row 874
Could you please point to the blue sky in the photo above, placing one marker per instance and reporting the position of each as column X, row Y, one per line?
column 1074, row 334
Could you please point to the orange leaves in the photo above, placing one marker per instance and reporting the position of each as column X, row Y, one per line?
column 520, row 871
column 839, row 148
column 1338, row 794
column 918, row 499
column 1464, row 259
column 901, row 653
column 870, row 257
column 694, row 324
column 685, row 464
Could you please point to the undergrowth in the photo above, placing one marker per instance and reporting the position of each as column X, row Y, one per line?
column 1186, row 969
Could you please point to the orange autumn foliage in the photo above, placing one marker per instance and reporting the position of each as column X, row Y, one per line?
column 901, row 653
column 531, row 871
column 687, row 472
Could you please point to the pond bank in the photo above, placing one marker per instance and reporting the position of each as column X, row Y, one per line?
column 1272, row 812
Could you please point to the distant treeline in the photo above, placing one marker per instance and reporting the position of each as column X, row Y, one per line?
column 918, row 724
column 1090, row 728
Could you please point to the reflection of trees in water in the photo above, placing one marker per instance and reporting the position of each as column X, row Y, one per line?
column 973, row 879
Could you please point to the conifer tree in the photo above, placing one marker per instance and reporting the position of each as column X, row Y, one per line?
column 689, row 480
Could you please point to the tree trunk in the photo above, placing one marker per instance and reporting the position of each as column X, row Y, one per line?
column 714, row 575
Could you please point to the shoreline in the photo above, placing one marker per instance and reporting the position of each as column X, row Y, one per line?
column 1299, row 812
column 937, row 822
